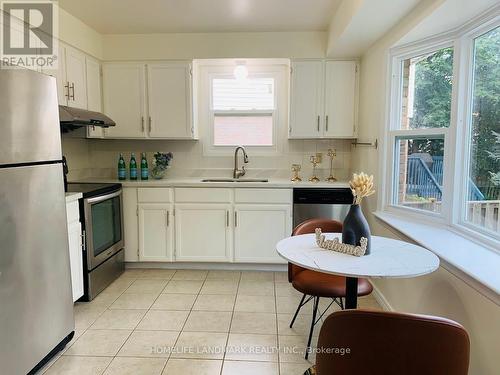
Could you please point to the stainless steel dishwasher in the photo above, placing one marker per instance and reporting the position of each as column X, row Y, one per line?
column 309, row 203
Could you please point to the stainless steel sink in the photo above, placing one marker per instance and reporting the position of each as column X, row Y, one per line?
column 235, row 180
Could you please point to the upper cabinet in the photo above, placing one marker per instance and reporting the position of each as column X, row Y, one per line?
column 94, row 93
column 169, row 98
column 124, row 97
column 148, row 100
column 76, row 82
column 323, row 99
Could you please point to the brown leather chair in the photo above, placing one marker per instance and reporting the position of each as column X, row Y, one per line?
column 315, row 285
column 388, row 343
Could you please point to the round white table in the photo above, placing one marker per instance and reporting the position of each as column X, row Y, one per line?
column 387, row 258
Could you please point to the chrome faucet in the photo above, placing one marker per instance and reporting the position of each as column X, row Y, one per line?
column 237, row 173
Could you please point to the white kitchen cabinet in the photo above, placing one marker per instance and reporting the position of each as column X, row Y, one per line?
column 75, row 77
column 130, row 224
column 203, row 232
column 155, row 232
column 323, row 97
column 340, row 99
column 75, row 249
column 71, row 77
column 124, row 99
column 94, row 93
column 169, row 99
column 306, row 99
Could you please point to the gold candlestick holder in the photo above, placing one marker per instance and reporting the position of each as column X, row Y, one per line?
column 315, row 160
column 296, row 169
column 332, row 153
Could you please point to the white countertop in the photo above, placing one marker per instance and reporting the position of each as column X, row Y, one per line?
column 71, row 197
column 196, row 182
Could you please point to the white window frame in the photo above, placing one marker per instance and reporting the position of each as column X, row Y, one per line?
column 456, row 153
column 207, row 70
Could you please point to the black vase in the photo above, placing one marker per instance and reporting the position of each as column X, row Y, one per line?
column 355, row 226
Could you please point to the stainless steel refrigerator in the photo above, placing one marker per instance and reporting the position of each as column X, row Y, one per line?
column 36, row 308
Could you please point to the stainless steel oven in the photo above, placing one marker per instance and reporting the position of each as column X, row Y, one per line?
column 103, row 227
column 101, row 216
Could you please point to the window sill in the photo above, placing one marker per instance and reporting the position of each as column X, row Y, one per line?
column 475, row 264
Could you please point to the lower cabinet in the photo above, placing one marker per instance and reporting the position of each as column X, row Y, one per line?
column 203, row 232
column 75, row 249
column 257, row 230
column 155, row 232
column 205, row 224
column 130, row 225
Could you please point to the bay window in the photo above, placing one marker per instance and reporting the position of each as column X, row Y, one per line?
column 443, row 140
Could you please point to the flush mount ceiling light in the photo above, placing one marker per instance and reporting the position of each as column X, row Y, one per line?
column 240, row 71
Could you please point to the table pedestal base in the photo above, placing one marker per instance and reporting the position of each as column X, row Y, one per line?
column 351, row 291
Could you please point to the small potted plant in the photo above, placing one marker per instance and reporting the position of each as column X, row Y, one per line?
column 355, row 224
column 161, row 161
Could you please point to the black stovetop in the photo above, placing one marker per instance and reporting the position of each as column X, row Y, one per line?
column 92, row 189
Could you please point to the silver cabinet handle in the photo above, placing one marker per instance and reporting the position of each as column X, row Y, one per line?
column 326, row 122
column 84, row 247
column 168, row 218
column 72, row 87
column 227, row 218
column 150, row 124
column 142, row 123
column 318, row 122
column 235, row 218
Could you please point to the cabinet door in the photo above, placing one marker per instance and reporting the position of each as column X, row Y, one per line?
column 169, row 98
column 75, row 258
column 340, row 99
column 60, row 75
column 76, row 77
column 124, row 99
column 94, row 94
column 155, row 232
column 258, row 228
column 203, row 232
column 130, row 224
column 306, row 99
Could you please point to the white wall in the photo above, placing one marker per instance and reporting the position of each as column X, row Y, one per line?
column 78, row 34
column 214, row 45
column 441, row 293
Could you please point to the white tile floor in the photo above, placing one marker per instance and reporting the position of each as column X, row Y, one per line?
column 163, row 322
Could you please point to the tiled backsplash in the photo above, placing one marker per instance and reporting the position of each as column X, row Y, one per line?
column 98, row 158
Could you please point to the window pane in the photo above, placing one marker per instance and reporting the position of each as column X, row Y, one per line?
column 246, row 94
column 483, row 201
column 420, row 173
column 427, row 83
column 243, row 130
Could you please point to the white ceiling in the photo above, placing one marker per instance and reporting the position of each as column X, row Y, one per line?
column 189, row 16
column 450, row 15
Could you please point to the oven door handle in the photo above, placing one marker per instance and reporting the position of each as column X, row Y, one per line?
column 101, row 198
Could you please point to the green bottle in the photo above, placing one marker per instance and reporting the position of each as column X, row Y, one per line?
column 122, row 169
column 144, row 167
column 133, row 167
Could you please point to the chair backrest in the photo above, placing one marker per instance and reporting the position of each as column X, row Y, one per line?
column 387, row 343
column 309, row 226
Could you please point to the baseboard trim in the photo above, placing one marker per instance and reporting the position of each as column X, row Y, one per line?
column 208, row 266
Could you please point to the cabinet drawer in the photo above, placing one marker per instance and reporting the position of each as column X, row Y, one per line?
column 204, row 195
column 154, row 195
column 251, row 195
column 72, row 212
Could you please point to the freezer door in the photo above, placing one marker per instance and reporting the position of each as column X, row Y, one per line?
column 29, row 117
column 36, row 306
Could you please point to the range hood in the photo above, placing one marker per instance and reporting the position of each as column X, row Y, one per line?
column 74, row 118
